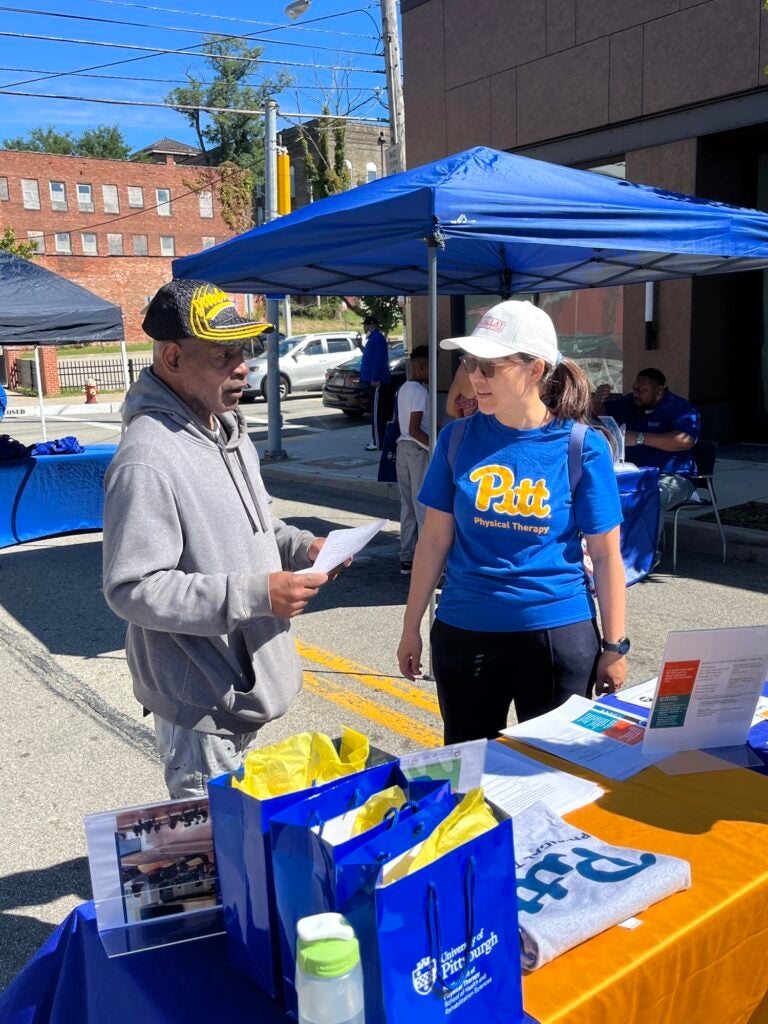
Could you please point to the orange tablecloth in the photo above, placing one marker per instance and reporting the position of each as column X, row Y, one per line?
column 699, row 956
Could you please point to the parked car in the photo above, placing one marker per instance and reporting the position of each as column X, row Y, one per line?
column 304, row 359
column 344, row 391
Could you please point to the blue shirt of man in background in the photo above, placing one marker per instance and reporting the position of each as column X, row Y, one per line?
column 374, row 371
column 3, row 401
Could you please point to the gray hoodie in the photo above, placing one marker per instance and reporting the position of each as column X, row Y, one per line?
column 189, row 543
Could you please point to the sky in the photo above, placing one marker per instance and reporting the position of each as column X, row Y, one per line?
column 340, row 34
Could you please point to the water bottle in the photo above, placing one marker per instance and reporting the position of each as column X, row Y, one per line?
column 329, row 978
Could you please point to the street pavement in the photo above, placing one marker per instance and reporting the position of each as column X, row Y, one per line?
column 75, row 740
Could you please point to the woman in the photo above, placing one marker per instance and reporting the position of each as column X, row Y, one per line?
column 516, row 622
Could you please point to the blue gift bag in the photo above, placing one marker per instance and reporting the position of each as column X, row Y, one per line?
column 304, row 859
column 241, row 841
column 414, row 933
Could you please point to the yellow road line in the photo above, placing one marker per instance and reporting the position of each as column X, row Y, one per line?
column 393, row 720
column 399, row 688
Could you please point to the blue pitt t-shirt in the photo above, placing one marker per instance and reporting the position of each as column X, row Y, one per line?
column 516, row 560
column 673, row 413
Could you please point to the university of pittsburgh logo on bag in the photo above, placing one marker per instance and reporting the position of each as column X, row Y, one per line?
column 425, row 975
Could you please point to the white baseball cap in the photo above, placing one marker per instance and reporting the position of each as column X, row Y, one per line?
column 511, row 327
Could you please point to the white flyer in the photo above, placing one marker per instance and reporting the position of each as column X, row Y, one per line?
column 461, row 764
column 343, row 544
column 513, row 782
column 708, row 689
column 595, row 736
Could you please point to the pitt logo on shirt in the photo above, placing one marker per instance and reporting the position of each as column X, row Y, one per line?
column 498, row 492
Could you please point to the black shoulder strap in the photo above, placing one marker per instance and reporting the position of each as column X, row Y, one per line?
column 576, row 454
column 458, row 428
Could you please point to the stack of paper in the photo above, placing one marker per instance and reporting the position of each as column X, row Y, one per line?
column 594, row 736
column 513, row 782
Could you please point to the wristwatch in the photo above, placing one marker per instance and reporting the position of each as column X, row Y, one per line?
column 639, row 437
column 620, row 647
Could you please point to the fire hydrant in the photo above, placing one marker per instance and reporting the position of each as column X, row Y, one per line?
column 91, row 391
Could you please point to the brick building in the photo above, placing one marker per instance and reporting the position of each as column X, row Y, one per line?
column 671, row 93
column 112, row 226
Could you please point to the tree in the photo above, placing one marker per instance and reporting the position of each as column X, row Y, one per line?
column 386, row 309
column 104, row 141
column 229, row 136
column 325, row 173
column 234, row 187
column 9, row 243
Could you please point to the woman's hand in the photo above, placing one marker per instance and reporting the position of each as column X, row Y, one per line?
column 611, row 673
column 409, row 654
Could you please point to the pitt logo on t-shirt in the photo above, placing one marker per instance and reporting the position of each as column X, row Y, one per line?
column 497, row 491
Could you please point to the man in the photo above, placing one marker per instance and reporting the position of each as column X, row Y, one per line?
column 193, row 559
column 661, row 430
column 412, row 407
column 3, row 401
column 374, row 371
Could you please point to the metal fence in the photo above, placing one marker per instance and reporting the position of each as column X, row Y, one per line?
column 108, row 373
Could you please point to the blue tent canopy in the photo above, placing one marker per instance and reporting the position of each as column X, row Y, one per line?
column 499, row 223
column 43, row 308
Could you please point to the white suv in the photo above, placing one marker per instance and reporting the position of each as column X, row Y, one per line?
column 304, row 358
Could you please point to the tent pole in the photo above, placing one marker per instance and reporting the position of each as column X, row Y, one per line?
column 39, row 380
column 432, row 337
column 124, row 357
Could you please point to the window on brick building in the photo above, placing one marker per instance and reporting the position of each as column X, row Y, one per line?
column 38, row 238
column 58, row 192
column 30, row 194
column 208, row 241
column 206, row 203
column 371, row 171
column 4, row 189
column 167, row 245
column 85, row 198
column 115, row 245
column 90, row 244
column 63, row 243
column 110, row 198
column 163, row 200
column 140, row 245
column 136, row 197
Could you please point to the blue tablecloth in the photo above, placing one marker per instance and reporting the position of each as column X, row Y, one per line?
column 71, row 981
column 51, row 494
column 639, row 496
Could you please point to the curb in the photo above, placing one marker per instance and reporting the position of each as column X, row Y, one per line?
column 330, row 481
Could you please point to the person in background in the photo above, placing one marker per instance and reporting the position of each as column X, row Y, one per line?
column 194, row 560
column 661, row 430
column 412, row 411
column 3, row 401
column 374, row 371
column 516, row 620
column 461, row 400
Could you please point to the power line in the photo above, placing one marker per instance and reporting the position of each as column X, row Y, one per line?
column 270, row 26
column 175, row 28
column 185, row 106
column 156, row 51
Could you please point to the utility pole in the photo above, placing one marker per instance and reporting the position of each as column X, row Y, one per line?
column 274, row 449
column 391, row 39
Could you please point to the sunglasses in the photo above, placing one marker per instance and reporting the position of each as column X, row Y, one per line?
column 486, row 366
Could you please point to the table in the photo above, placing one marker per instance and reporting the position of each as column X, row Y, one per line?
column 51, row 494
column 698, row 956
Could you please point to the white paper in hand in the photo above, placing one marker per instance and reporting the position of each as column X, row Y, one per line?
column 343, row 544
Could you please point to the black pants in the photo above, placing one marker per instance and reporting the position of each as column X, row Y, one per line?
column 479, row 675
column 382, row 407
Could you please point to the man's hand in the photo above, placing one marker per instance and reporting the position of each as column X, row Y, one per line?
column 314, row 550
column 611, row 673
column 290, row 592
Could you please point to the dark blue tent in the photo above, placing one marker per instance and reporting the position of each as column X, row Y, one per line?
column 499, row 224
column 43, row 308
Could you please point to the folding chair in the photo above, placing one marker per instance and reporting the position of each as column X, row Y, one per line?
column 704, row 454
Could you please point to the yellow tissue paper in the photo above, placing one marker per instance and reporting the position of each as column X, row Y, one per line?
column 376, row 807
column 300, row 762
column 470, row 819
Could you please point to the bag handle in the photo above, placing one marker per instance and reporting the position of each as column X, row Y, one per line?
column 314, row 818
column 433, row 929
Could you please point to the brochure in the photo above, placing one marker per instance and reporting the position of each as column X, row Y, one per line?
column 708, row 689
column 153, row 874
column 460, row 764
column 343, row 544
column 513, row 782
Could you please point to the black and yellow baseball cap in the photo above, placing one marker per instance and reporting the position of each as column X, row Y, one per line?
column 197, row 309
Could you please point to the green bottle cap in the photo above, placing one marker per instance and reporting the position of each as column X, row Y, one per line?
column 327, row 946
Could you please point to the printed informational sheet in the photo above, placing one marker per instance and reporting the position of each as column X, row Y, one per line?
column 461, row 764
column 708, row 689
column 513, row 782
column 343, row 544
column 601, row 738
